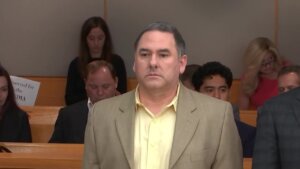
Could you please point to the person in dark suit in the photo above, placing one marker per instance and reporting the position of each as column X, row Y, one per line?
column 100, row 83
column 14, row 123
column 161, row 124
column 215, row 79
column 277, row 144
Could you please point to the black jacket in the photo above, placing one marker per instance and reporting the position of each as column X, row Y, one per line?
column 14, row 127
column 70, row 124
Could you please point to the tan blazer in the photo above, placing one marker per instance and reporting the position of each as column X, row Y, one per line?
column 205, row 135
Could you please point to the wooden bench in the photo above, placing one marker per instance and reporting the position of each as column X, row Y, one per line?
column 51, row 156
column 247, row 163
column 131, row 83
column 52, row 89
column 248, row 116
column 42, row 120
column 235, row 91
column 42, row 156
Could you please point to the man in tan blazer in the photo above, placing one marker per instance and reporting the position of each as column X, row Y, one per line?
column 161, row 124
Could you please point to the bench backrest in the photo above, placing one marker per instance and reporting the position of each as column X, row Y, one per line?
column 42, row 120
column 51, row 156
column 52, row 90
column 248, row 116
column 247, row 163
column 42, row 155
column 235, row 91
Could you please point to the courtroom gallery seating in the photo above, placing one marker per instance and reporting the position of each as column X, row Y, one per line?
column 42, row 120
column 42, row 156
column 50, row 156
column 42, row 117
column 52, row 90
column 50, row 99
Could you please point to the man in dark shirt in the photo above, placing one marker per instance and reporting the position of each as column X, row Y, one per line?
column 215, row 79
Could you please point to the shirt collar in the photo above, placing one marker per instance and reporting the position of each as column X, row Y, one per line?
column 172, row 103
column 89, row 104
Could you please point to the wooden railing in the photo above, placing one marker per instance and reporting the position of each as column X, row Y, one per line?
column 51, row 156
column 52, row 89
column 42, row 120
column 42, row 156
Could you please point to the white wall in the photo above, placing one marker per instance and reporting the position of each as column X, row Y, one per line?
column 289, row 30
column 213, row 29
column 40, row 37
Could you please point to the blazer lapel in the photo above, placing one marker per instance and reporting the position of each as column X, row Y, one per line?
column 187, row 121
column 125, row 127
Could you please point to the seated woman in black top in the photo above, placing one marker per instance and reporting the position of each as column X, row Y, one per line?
column 14, row 124
column 95, row 42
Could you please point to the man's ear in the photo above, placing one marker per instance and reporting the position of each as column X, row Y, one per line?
column 183, row 62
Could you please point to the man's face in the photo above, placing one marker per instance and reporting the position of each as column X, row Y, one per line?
column 268, row 64
column 287, row 82
column 100, row 85
column 157, row 64
column 215, row 86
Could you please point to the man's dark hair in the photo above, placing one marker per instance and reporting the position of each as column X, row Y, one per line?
column 164, row 27
column 189, row 72
column 210, row 69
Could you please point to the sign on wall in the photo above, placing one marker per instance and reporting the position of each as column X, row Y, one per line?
column 25, row 90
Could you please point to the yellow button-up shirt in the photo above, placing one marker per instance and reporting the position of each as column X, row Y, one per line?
column 154, row 135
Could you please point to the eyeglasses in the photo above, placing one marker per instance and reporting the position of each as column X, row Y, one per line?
column 268, row 62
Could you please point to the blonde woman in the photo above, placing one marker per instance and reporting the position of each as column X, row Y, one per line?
column 259, row 81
